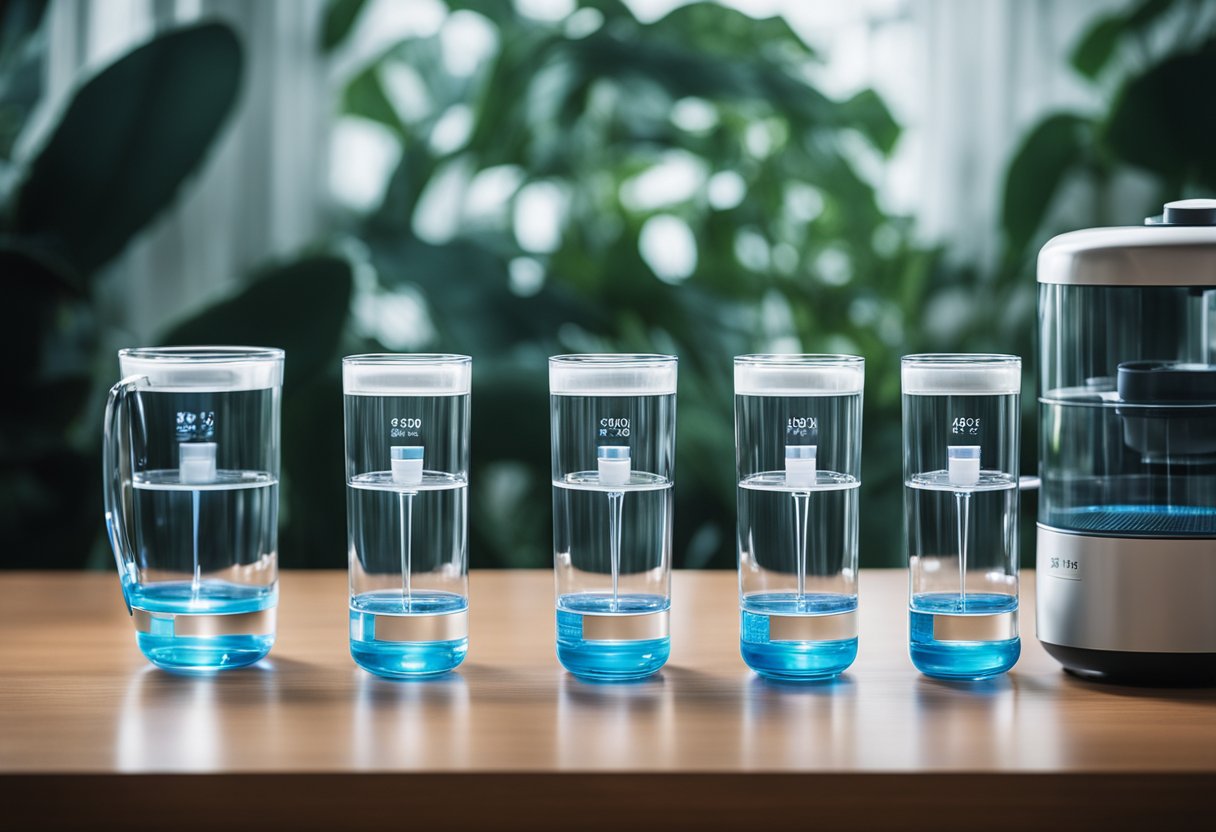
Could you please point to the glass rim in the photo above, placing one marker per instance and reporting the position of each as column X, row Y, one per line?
column 799, row 359
column 613, row 359
column 221, row 354
column 960, row 359
column 406, row 358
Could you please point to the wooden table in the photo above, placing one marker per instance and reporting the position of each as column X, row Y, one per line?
column 510, row 741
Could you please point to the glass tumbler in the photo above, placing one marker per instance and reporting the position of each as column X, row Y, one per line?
column 961, row 431
column 613, row 420
column 798, row 462
column 407, row 463
column 191, row 473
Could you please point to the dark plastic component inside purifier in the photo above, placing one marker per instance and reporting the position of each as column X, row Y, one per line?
column 1182, row 433
column 1186, row 212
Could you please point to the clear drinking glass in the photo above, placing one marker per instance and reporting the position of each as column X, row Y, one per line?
column 798, row 462
column 613, row 420
column 407, row 463
column 961, row 434
column 191, row 473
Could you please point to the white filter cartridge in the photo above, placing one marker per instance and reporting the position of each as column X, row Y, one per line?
column 196, row 462
column 964, row 464
column 800, row 462
column 407, row 464
column 613, row 464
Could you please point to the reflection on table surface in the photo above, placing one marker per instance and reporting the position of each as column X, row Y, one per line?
column 76, row 695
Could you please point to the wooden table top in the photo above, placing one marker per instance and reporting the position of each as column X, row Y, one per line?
column 77, row 698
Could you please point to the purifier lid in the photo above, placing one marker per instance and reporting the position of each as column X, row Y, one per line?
column 1177, row 248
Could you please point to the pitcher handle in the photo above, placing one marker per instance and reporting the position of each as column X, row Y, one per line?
column 114, row 482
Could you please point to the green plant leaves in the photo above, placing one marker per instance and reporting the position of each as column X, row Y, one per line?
column 870, row 115
column 1100, row 43
column 1093, row 52
column 1047, row 154
column 1162, row 122
column 129, row 138
column 340, row 19
column 21, row 50
column 300, row 307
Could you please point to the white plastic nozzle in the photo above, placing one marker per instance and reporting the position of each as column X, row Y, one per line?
column 407, row 464
column 964, row 464
column 196, row 462
column 613, row 464
column 800, row 464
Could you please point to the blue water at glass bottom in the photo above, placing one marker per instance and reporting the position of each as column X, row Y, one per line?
column 201, row 653
column 800, row 661
column 965, row 660
column 404, row 659
column 608, row 660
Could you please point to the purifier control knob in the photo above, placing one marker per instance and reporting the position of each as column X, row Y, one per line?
column 1186, row 212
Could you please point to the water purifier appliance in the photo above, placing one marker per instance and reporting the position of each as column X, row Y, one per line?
column 1126, row 560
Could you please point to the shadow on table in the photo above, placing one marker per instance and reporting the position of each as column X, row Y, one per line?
column 1188, row 692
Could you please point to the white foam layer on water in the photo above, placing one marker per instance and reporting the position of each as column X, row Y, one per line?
column 407, row 375
column 612, row 375
column 961, row 378
column 774, row 377
column 204, row 369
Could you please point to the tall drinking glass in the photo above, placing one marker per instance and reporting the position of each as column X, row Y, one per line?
column 798, row 462
column 961, row 432
column 613, row 420
column 407, row 463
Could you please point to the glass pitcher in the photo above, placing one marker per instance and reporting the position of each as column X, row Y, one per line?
column 191, row 473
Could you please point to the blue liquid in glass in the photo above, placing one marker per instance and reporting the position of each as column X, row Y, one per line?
column 794, row 660
column 200, row 653
column 404, row 659
column 608, row 660
column 960, row 659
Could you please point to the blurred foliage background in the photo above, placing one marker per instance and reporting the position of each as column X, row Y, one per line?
column 702, row 196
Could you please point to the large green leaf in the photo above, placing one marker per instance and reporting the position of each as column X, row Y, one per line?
column 130, row 137
column 1054, row 147
column 870, row 115
column 300, row 307
column 1095, row 49
column 1161, row 120
column 721, row 32
column 340, row 19
column 364, row 96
